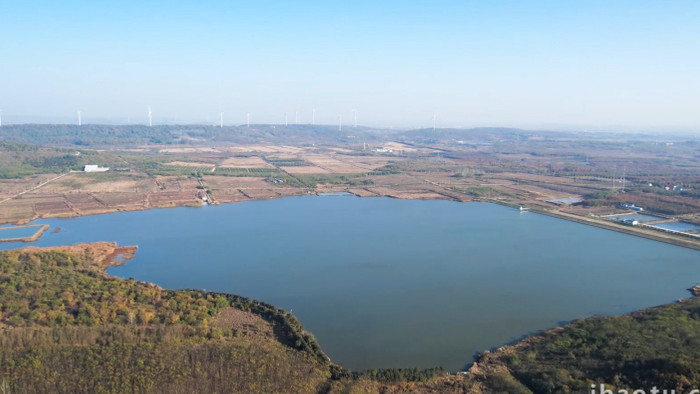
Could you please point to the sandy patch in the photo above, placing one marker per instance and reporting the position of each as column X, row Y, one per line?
column 397, row 147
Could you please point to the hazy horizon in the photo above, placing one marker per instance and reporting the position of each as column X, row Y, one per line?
column 594, row 66
column 661, row 132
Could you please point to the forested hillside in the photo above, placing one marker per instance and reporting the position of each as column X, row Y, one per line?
column 658, row 347
column 69, row 327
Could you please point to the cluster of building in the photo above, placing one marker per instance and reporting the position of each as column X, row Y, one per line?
column 670, row 187
column 629, row 205
column 95, row 168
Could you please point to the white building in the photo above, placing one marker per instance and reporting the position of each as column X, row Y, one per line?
column 95, row 168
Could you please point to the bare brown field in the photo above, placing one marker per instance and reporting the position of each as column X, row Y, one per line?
column 85, row 183
column 179, row 183
column 11, row 187
column 235, row 189
column 172, row 198
column 229, row 195
column 48, row 205
column 84, row 194
column 342, row 150
column 83, row 202
column 304, row 170
column 189, row 164
column 533, row 177
column 121, row 200
column 217, row 182
column 398, row 147
column 536, row 192
column 333, row 165
column 267, row 149
column 395, row 180
column 190, row 150
column 368, row 163
column 17, row 211
column 245, row 162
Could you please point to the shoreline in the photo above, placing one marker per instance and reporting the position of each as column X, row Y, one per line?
column 668, row 238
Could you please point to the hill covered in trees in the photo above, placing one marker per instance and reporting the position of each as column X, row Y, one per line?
column 657, row 347
column 69, row 327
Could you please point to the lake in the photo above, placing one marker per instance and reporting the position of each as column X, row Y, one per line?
column 384, row 282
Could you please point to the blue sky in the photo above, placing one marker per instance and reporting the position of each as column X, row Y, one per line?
column 544, row 64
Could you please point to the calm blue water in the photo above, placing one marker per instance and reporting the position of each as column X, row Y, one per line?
column 11, row 232
column 678, row 226
column 395, row 283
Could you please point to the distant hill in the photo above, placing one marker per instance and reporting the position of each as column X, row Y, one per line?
column 101, row 136
column 114, row 136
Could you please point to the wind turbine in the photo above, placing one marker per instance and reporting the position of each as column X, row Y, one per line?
column 150, row 117
column 247, row 117
column 80, row 120
column 340, row 122
column 221, row 120
column 433, row 121
column 624, row 170
column 354, row 113
column 286, row 123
